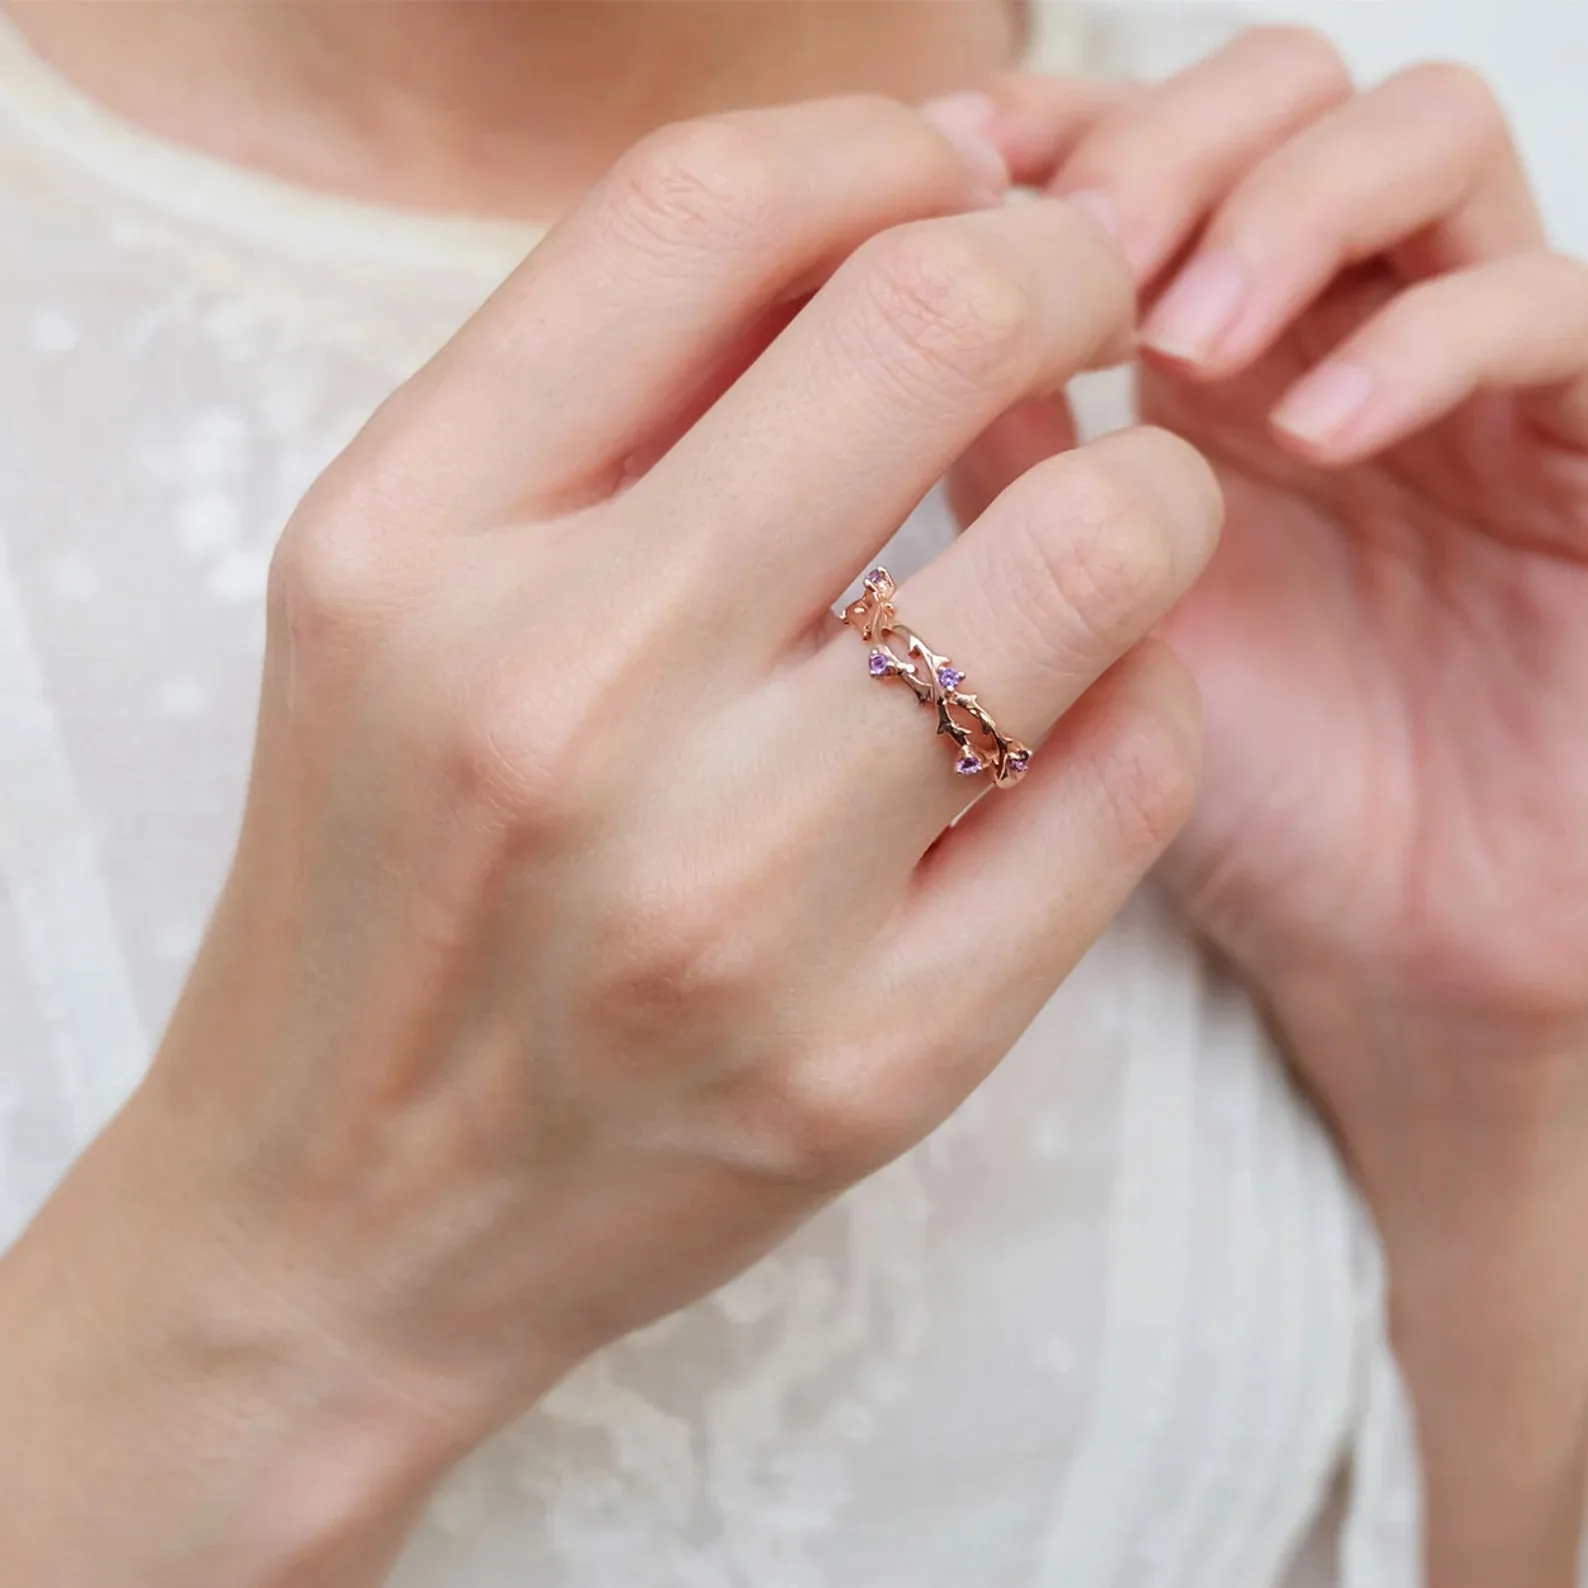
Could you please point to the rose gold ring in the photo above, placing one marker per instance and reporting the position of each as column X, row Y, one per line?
column 936, row 682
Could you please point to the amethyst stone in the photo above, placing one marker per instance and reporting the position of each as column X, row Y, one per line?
column 969, row 764
column 877, row 576
column 880, row 664
column 1019, row 760
column 950, row 677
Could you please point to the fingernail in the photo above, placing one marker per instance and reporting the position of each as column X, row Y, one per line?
column 1100, row 206
column 1200, row 309
column 1322, row 407
column 964, row 119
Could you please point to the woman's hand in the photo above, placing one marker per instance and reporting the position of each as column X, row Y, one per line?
column 1354, row 313
column 594, row 918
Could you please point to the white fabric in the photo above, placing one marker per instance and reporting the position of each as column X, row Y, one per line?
column 1118, row 1323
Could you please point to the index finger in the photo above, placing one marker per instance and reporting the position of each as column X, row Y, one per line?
column 917, row 344
column 594, row 345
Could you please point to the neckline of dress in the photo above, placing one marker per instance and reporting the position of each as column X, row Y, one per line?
column 265, row 211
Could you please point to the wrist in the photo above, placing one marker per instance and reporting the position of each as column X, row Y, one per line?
column 1507, row 1085
column 179, row 1424
column 1469, row 1136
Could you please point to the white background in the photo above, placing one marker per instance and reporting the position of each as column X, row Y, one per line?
column 1534, row 51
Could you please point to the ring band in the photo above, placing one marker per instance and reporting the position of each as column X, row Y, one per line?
column 978, row 745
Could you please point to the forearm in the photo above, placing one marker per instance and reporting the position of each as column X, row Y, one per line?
column 163, row 1423
column 1477, row 1172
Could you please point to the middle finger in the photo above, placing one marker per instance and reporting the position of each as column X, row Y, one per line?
column 920, row 340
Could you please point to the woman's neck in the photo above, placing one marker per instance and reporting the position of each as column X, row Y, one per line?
column 506, row 107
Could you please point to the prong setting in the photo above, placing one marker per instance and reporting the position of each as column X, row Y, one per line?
column 979, row 745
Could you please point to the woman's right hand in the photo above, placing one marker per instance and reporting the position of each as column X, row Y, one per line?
column 594, row 918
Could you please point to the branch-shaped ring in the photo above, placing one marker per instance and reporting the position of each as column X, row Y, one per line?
column 935, row 681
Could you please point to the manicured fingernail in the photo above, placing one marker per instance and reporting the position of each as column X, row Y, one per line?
column 1100, row 206
column 1200, row 309
column 1322, row 407
column 964, row 119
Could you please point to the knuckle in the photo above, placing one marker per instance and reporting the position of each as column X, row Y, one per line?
column 329, row 586
column 1087, row 561
column 674, row 948
column 519, row 755
column 941, row 304
column 841, row 1119
column 696, row 185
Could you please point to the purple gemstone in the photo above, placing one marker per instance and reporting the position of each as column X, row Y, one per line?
column 969, row 764
column 1019, row 760
column 877, row 576
column 950, row 677
column 880, row 663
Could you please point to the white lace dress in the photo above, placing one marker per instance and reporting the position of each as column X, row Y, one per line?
column 1118, row 1323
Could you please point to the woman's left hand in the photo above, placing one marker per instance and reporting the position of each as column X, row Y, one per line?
column 1352, row 310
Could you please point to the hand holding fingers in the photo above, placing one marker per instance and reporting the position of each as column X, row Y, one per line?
column 557, row 882
column 1269, row 136
column 1280, row 178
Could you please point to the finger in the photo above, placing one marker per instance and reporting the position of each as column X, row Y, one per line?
column 1155, row 168
column 1512, row 323
column 915, row 346
column 613, row 322
column 1425, row 160
column 1040, row 120
column 1069, row 569
column 1013, row 896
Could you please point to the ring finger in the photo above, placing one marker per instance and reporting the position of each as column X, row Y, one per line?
column 1064, row 573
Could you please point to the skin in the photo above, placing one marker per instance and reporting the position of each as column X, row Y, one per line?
column 501, row 109
column 539, row 1024
column 1390, row 652
column 1385, row 644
